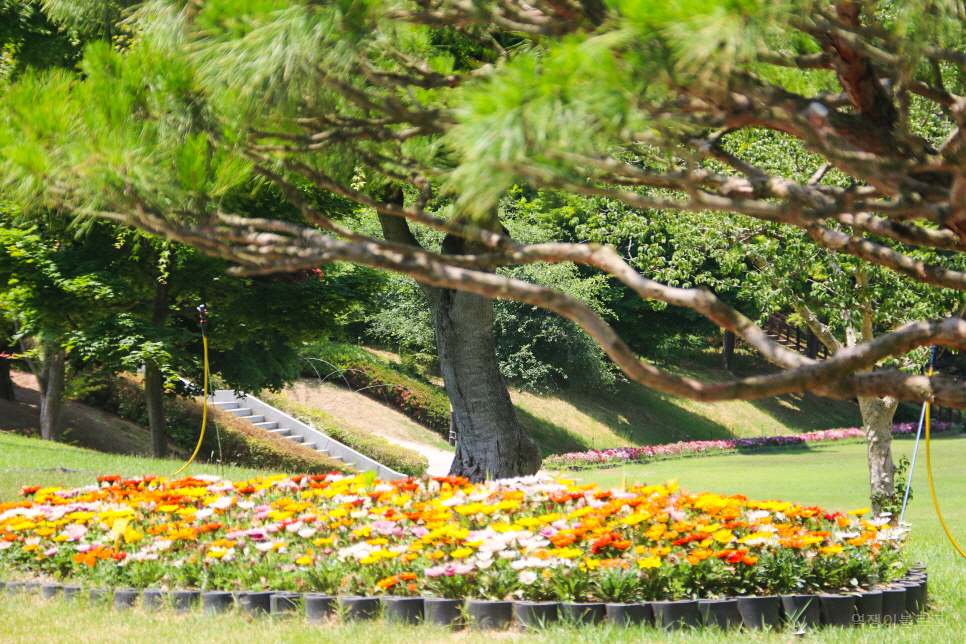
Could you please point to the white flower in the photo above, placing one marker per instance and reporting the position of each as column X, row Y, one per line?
column 305, row 533
column 528, row 577
column 483, row 564
column 246, row 504
column 203, row 513
column 223, row 502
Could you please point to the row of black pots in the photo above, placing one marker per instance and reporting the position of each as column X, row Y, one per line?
column 899, row 603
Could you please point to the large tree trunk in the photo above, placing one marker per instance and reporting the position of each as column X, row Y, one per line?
column 51, row 380
column 490, row 442
column 153, row 382
column 877, row 415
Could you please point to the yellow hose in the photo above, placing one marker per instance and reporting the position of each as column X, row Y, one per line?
column 204, row 412
column 932, row 487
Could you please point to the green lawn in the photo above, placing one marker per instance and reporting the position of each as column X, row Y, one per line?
column 830, row 476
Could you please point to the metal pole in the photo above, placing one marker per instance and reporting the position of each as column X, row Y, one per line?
column 922, row 418
column 912, row 466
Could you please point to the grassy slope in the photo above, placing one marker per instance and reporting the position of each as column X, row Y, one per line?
column 832, row 476
column 636, row 415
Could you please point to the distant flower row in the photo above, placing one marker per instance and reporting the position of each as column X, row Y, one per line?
column 618, row 455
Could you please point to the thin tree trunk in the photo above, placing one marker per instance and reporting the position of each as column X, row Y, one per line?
column 7, row 391
column 490, row 442
column 51, row 380
column 877, row 416
column 153, row 382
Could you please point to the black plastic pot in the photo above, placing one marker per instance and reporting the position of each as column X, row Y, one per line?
column 51, row 591
column 489, row 615
column 254, row 603
column 154, row 599
column 868, row 607
column 360, row 608
column 286, row 604
column 319, row 608
column 532, row 615
column 72, row 592
column 99, row 595
column 630, row 614
column 185, row 601
column 893, row 604
column 125, row 598
column 914, row 603
column 674, row 615
column 802, row 610
column 403, row 610
column 213, row 602
column 444, row 612
column 16, row 588
column 582, row 613
column 720, row 613
column 32, row 587
column 838, row 610
column 760, row 611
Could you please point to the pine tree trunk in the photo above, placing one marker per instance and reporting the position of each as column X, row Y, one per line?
column 51, row 382
column 877, row 415
column 153, row 382
column 490, row 442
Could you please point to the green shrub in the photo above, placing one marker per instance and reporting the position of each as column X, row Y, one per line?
column 424, row 402
column 401, row 459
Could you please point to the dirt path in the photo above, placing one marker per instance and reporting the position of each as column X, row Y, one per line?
column 366, row 414
column 83, row 426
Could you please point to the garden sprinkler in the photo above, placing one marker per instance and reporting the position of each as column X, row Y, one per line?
column 203, row 315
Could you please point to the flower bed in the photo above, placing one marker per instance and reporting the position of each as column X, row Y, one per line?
column 533, row 539
column 610, row 457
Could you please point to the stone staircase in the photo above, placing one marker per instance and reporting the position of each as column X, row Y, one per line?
column 277, row 422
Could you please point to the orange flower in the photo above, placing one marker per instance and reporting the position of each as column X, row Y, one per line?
column 388, row 582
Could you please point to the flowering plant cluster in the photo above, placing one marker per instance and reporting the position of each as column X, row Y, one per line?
column 423, row 403
column 608, row 457
column 533, row 538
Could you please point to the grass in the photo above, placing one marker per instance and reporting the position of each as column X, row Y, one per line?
column 633, row 414
column 832, row 476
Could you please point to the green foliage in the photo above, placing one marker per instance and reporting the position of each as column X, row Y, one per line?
column 401, row 459
column 30, row 38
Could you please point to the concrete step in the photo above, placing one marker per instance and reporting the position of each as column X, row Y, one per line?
column 271, row 425
column 296, row 438
column 280, row 432
column 255, row 419
column 241, row 411
column 226, row 405
column 309, row 445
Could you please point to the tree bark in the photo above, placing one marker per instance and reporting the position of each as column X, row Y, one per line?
column 877, row 415
column 728, row 351
column 153, row 382
column 490, row 442
column 51, row 380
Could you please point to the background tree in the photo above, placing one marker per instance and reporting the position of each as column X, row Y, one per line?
column 612, row 102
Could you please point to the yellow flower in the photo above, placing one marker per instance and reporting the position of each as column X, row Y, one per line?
column 461, row 553
column 528, row 522
column 303, row 561
column 591, row 564
column 859, row 512
column 167, row 508
column 723, row 536
column 131, row 535
column 322, row 541
column 634, row 519
column 649, row 562
column 831, row 550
